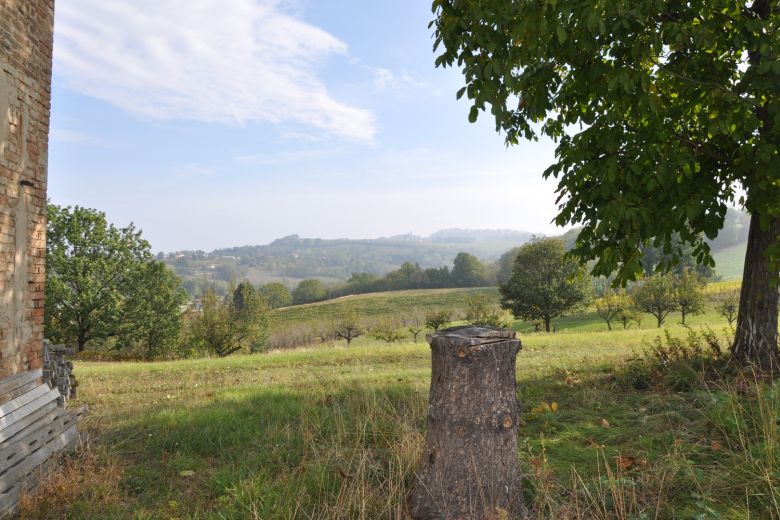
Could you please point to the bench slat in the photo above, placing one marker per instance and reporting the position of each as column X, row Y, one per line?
column 23, row 399
column 35, row 459
column 37, row 435
column 8, row 424
column 13, row 382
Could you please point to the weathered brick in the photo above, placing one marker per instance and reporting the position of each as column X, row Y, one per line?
column 25, row 94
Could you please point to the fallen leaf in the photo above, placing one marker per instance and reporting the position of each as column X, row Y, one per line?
column 604, row 423
column 187, row 473
column 554, row 406
column 624, row 462
column 716, row 446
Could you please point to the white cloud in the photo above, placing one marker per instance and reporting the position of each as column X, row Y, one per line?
column 385, row 79
column 206, row 60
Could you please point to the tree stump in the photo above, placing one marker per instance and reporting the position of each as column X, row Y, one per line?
column 470, row 468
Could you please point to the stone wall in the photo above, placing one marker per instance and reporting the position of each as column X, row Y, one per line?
column 25, row 93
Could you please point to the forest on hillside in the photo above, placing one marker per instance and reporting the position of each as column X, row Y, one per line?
column 291, row 259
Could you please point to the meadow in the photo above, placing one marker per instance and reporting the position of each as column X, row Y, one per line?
column 395, row 304
column 336, row 433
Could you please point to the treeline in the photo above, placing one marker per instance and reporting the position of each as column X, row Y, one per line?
column 467, row 271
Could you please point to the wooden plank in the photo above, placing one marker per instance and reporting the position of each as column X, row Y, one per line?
column 10, row 432
column 22, row 400
column 28, row 464
column 9, row 499
column 73, row 414
column 10, row 383
column 63, row 441
column 10, row 420
column 36, row 436
column 13, row 394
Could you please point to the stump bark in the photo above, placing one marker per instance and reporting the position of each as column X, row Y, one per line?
column 470, row 468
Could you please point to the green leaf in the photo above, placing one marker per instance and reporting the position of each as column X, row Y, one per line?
column 473, row 114
column 562, row 36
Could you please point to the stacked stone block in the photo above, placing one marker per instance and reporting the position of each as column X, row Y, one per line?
column 26, row 31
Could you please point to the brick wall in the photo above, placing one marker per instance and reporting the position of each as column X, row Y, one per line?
column 25, row 93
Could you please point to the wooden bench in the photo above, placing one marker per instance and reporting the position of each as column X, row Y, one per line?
column 33, row 429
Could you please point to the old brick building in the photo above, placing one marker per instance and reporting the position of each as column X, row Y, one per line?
column 26, row 28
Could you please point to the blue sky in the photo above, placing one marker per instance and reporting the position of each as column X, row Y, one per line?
column 211, row 123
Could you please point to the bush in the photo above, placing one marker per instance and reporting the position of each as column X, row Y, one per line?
column 481, row 312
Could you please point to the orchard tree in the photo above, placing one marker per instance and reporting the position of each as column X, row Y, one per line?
column 545, row 282
column 688, row 293
column 386, row 330
column 415, row 324
column 659, row 111
column 437, row 319
column 349, row 326
column 656, row 295
column 727, row 306
column 610, row 305
column 482, row 311
column 237, row 322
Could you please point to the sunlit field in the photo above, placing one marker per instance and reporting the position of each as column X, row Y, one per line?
column 334, row 432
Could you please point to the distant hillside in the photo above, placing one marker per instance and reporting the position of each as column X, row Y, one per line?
column 728, row 248
column 293, row 258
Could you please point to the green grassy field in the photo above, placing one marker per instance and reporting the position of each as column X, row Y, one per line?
column 730, row 262
column 335, row 433
column 379, row 305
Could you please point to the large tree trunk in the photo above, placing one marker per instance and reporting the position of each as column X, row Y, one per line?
column 756, row 338
column 469, row 468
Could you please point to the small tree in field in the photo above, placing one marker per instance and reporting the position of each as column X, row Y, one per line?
column 349, row 326
column 629, row 314
column 437, row 319
column 608, row 307
column 415, row 325
column 545, row 283
column 688, row 293
column 237, row 322
column 655, row 295
column 481, row 311
column 386, row 330
column 727, row 306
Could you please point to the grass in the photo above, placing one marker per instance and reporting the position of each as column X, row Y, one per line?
column 335, row 433
column 730, row 262
column 379, row 305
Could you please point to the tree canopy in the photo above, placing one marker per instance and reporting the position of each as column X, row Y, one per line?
column 545, row 283
column 674, row 103
column 102, row 282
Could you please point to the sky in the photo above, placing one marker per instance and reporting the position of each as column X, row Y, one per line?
column 213, row 124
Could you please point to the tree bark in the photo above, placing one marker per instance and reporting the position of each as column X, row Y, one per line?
column 470, row 468
column 756, row 337
column 547, row 324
